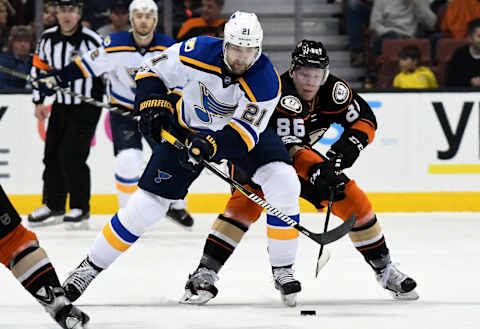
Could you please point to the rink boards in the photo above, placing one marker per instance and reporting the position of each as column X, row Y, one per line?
column 425, row 156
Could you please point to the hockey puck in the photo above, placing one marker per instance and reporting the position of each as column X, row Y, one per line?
column 308, row 312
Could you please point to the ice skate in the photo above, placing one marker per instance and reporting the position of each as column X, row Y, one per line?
column 180, row 216
column 200, row 287
column 286, row 284
column 44, row 216
column 79, row 279
column 59, row 307
column 76, row 219
column 401, row 286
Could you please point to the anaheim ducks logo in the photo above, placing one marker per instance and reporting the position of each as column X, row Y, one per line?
column 291, row 103
column 211, row 107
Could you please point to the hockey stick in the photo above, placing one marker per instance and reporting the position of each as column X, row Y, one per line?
column 83, row 98
column 321, row 238
column 324, row 256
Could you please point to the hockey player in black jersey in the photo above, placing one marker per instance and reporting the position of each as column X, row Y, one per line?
column 21, row 253
column 312, row 99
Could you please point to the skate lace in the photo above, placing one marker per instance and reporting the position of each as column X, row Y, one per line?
column 391, row 277
column 204, row 275
column 82, row 276
column 43, row 210
column 283, row 275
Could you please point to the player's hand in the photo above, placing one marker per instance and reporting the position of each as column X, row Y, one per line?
column 326, row 180
column 346, row 150
column 155, row 115
column 46, row 82
column 41, row 112
column 201, row 148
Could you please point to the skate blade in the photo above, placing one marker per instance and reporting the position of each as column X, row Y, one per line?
column 75, row 323
column 79, row 226
column 55, row 220
column 201, row 298
column 289, row 300
column 411, row 295
column 186, row 228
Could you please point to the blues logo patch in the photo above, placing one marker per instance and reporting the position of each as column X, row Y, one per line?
column 162, row 175
column 211, row 107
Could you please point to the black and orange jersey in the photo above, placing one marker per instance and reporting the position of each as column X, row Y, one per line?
column 299, row 122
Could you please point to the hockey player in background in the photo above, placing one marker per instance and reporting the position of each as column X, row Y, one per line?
column 312, row 99
column 21, row 253
column 120, row 56
column 224, row 93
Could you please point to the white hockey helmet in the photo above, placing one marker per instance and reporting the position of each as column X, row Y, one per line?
column 147, row 5
column 243, row 29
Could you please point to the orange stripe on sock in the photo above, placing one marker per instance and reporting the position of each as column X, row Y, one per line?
column 220, row 244
column 38, row 275
column 372, row 247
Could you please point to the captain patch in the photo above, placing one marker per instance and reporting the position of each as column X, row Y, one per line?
column 340, row 93
column 291, row 103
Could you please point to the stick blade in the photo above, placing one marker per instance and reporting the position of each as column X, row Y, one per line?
column 336, row 233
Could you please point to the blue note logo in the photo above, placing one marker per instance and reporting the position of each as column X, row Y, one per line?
column 162, row 175
column 211, row 107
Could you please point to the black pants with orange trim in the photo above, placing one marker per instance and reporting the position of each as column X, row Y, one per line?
column 9, row 218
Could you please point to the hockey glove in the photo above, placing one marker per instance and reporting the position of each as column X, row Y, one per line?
column 46, row 82
column 325, row 179
column 155, row 115
column 201, row 148
column 346, row 150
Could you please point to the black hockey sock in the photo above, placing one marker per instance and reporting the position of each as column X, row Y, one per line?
column 221, row 242
column 33, row 269
column 370, row 242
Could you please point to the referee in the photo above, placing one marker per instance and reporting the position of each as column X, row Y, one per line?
column 72, row 123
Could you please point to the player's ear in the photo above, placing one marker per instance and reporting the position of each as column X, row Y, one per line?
column 290, row 73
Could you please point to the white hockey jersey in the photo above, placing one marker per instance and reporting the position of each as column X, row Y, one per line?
column 120, row 57
column 212, row 99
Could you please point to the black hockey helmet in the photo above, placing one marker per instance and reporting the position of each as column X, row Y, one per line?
column 309, row 53
column 75, row 3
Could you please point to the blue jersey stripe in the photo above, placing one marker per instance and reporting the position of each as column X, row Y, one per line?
column 121, row 98
column 88, row 68
column 249, row 129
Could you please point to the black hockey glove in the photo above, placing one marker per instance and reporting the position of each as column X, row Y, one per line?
column 155, row 115
column 326, row 179
column 346, row 150
column 45, row 83
column 200, row 148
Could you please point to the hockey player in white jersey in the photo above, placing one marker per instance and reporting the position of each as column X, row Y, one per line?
column 223, row 94
column 120, row 56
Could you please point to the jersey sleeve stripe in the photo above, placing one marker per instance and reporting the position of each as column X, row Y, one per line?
column 157, row 48
column 120, row 48
column 180, row 113
column 116, row 101
column 39, row 64
column 145, row 75
column 247, row 90
column 197, row 63
column 249, row 128
column 366, row 128
column 249, row 141
column 82, row 67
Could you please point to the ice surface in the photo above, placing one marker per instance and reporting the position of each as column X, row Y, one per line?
column 141, row 289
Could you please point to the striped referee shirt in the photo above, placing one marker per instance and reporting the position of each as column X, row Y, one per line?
column 55, row 51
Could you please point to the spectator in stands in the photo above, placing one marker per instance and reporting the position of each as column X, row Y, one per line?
column 397, row 19
column 118, row 17
column 208, row 24
column 457, row 16
column 411, row 74
column 96, row 13
column 357, row 13
column 3, row 27
column 20, row 46
column 463, row 70
column 49, row 14
column 193, row 7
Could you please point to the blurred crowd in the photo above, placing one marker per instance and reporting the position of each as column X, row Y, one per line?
column 415, row 43
column 399, row 43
